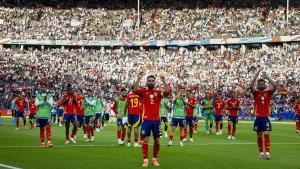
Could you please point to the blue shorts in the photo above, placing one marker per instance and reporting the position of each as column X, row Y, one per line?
column 134, row 120
column 32, row 116
column 70, row 118
column 262, row 124
column 297, row 117
column 20, row 114
column 164, row 119
column 218, row 118
column 43, row 122
column 98, row 116
column 89, row 120
column 148, row 126
column 176, row 121
column 120, row 122
column 60, row 112
column 80, row 120
column 189, row 121
column 233, row 119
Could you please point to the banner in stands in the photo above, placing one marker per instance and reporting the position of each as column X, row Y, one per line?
column 153, row 43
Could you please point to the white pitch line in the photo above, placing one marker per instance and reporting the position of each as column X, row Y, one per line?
column 8, row 166
column 115, row 145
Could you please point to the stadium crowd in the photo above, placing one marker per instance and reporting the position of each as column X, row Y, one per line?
column 104, row 71
column 80, row 23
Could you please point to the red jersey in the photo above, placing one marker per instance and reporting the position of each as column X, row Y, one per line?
column 79, row 106
column 134, row 103
column 233, row 105
column 190, row 110
column 69, row 107
column 262, row 101
column 297, row 109
column 32, row 107
column 151, row 103
column 219, row 106
column 20, row 104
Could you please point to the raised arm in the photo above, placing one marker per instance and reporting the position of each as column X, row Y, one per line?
column 166, row 87
column 137, row 82
column 273, row 83
column 252, row 84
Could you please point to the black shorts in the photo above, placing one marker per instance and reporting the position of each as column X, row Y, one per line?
column 164, row 119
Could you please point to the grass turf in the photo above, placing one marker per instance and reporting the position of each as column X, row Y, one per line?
column 21, row 149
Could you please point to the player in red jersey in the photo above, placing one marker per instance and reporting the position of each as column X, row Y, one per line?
column 151, row 99
column 69, row 101
column 79, row 108
column 219, row 107
column 20, row 107
column 32, row 111
column 134, row 109
column 190, row 104
column 233, row 106
column 297, row 115
column 262, row 124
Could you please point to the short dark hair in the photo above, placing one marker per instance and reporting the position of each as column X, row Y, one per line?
column 261, row 80
column 123, row 90
column 80, row 89
column 89, row 90
column 151, row 76
column 69, row 87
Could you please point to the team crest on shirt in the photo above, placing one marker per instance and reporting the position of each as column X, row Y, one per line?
column 151, row 96
column 143, row 132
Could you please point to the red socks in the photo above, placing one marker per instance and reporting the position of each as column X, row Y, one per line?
column 136, row 140
column 156, row 148
column 260, row 143
column 229, row 129
column 128, row 140
column 181, row 138
column 42, row 136
column 48, row 132
column 74, row 131
column 145, row 150
column 119, row 134
column 123, row 134
column 18, row 123
column 171, row 137
column 88, row 131
column 233, row 130
column 185, row 132
column 191, row 132
column 298, row 125
column 267, row 142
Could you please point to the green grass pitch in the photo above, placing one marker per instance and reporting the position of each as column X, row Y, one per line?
column 21, row 149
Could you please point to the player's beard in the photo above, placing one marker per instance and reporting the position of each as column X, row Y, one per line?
column 150, row 86
column 261, row 88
